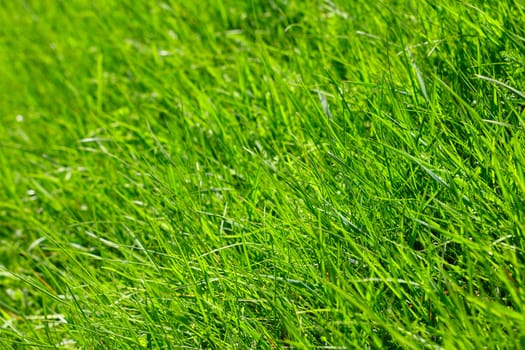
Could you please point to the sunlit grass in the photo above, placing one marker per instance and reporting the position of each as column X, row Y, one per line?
column 262, row 174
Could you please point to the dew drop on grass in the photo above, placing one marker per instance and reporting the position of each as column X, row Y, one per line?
column 19, row 118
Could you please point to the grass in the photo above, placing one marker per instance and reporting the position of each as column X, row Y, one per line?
column 262, row 174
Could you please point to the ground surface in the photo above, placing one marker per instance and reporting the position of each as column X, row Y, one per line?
column 262, row 174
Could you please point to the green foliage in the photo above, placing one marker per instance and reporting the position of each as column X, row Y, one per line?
column 262, row 174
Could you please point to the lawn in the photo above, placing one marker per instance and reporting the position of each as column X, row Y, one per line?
column 262, row 174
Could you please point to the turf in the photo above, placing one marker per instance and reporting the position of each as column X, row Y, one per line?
column 262, row 174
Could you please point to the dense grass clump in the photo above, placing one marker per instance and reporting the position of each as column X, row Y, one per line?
column 262, row 174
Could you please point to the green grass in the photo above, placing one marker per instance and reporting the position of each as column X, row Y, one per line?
column 262, row 174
